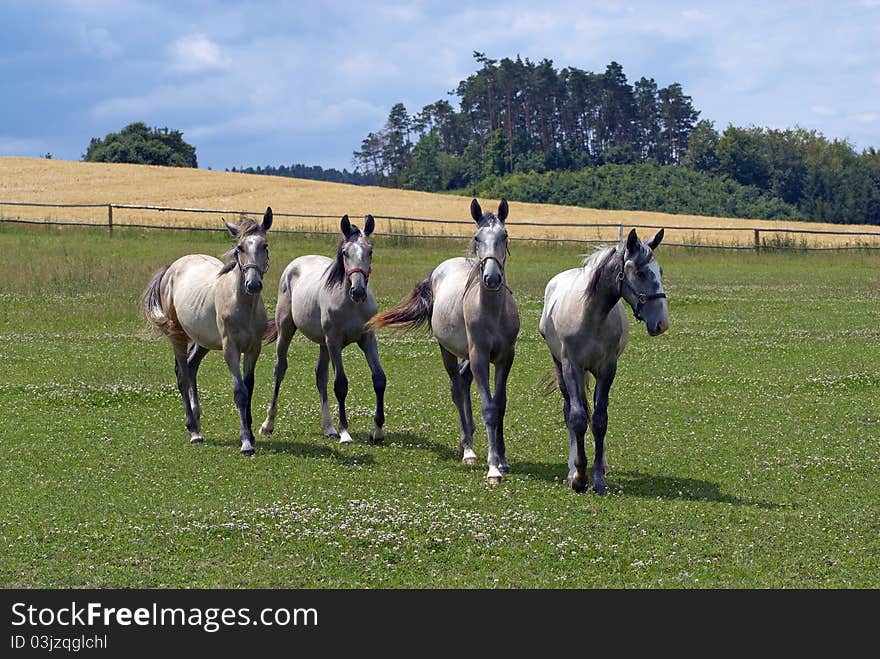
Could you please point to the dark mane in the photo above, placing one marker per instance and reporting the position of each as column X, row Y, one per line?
column 334, row 275
column 599, row 261
column 246, row 227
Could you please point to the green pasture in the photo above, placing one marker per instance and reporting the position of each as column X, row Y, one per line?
column 744, row 444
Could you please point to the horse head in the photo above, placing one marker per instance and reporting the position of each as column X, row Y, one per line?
column 251, row 251
column 641, row 282
column 355, row 254
column 490, row 244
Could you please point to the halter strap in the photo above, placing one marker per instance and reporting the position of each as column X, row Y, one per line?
column 244, row 268
column 642, row 298
column 365, row 273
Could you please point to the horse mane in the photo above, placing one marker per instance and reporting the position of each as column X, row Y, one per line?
column 334, row 275
column 598, row 261
column 247, row 227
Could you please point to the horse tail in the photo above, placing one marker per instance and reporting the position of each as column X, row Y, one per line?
column 151, row 307
column 271, row 332
column 549, row 383
column 411, row 312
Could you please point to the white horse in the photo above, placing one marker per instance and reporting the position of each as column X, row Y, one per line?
column 586, row 330
column 474, row 318
column 330, row 301
column 201, row 303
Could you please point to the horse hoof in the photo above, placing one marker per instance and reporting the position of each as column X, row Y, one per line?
column 494, row 480
column 469, row 460
column 601, row 489
column 198, row 439
column 578, row 483
column 345, row 438
column 377, row 436
column 331, row 434
column 246, row 448
column 266, row 428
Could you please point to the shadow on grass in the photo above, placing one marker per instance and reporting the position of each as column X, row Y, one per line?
column 320, row 449
column 633, row 483
column 408, row 440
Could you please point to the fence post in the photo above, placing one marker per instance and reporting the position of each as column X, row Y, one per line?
column 110, row 218
column 757, row 240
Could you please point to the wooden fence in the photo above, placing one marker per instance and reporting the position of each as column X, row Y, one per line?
column 758, row 235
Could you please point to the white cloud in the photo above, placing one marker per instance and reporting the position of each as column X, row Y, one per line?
column 866, row 117
column 196, row 53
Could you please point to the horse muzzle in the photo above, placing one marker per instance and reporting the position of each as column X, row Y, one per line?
column 253, row 287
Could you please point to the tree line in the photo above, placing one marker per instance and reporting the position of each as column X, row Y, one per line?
column 594, row 139
column 314, row 172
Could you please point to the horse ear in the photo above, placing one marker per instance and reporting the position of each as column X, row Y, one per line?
column 232, row 228
column 503, row 210
column 369, row 224
column 267, row 218
column 632, row 241
column 345, row 226
column 476, row 211
column 655, row 240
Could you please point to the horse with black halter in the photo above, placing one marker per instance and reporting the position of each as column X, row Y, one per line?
column 585, row 328
column 330, row 301
column 202, row 303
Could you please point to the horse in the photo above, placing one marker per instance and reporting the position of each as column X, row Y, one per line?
column 202, row 303
column 330, row 301
column 585, row 327
column 472, row 314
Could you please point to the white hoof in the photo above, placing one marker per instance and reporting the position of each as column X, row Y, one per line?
column 494, row 476
column 246, row 448
column 267, row 427
column 345, row 438
column 377, row 435
column 469, row 457
column 196, row 439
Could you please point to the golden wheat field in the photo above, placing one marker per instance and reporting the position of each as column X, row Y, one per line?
column 58, row 181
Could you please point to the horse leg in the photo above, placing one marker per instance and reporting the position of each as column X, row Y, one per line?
column 241, row 393
column 193, row 361
column 480, row 369
column 457, row 387
column 467, row 378
column 566, row 410
column 577, row 422
column 286, row 330
column 502, row 372
column 340, row 388
column 370, row 347
column 182, row 372
column 321, row 379
column 600, row 426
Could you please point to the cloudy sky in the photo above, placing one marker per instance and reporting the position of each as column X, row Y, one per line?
column 276, row 81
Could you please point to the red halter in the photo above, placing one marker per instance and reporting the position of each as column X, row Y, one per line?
column 365, row 273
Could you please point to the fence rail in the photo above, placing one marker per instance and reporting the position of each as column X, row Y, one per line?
column 756, row 244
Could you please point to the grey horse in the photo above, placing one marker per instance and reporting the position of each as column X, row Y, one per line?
column 330, row 301
column 474, row 318
column 201, row 303
column 586, row 329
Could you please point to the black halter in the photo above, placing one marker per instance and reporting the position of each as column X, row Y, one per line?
column 642, row 298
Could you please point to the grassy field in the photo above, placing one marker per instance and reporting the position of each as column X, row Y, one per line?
column 58, row 181
column 744, row 444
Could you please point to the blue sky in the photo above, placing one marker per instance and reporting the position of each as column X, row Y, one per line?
column 255, row 83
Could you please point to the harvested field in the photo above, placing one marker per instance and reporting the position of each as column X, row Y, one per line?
column 58, row 181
